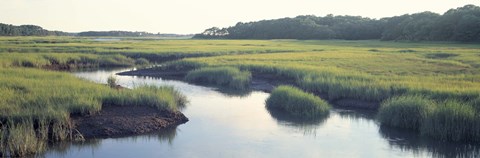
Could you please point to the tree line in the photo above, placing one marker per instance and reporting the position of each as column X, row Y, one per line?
column 28, row 30
column 460, row 24
column 33, row 30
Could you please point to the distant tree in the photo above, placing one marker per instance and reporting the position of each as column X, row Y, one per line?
column 460, row 24
column 467, row 29
column 28, row 30
column 455, row 25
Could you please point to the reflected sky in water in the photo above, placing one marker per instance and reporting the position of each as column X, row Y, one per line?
column 224, row 125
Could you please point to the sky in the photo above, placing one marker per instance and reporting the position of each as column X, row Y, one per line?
column 194, row 16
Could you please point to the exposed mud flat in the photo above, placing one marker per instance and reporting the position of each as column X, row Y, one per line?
column 118, row 121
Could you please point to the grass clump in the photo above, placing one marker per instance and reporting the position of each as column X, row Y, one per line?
column 141, row 62
column 405, row 111
column 112, row 81
column 297, row 103
column 453, row 121
column 229, row 77
column 162, row 98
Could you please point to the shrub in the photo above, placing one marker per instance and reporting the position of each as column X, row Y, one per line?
column 405, row 111
column 297, row 103
column 112, row 81
column 229, row 77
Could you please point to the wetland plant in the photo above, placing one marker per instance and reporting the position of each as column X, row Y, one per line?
column 297, row 103
column 229, row 77
column 405, row 111
column 453, row 121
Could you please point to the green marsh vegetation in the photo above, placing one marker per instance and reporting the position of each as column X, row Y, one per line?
column 406, row 111
column 36, row 106
column 295, row 102
column 426, row 77
column 229, row 77
column 364, row 70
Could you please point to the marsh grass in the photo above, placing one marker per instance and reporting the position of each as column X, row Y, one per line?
column 405, row 111
column 453, row 121
column 230, row 77
column 162, row 98
column 36, row 106
column 64, row 61
column 297, row 103
column 363, row 70
column 418, row 81
column 450, row 120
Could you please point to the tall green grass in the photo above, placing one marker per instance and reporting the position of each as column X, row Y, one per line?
column 221, row 76
column 363, row 70
column 163, row 98
column 66, row 61
column 405, row 111
column 445, row 120
column 453, row 121
column 297, row 103
column 36, row 106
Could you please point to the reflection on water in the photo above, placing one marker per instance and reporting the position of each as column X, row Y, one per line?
column 410, row 141
column 239, row 125
column 308, row 126
column 234, row 93
column 357, row 114
column 96, row 147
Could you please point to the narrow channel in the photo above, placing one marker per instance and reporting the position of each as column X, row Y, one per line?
column 226, row 125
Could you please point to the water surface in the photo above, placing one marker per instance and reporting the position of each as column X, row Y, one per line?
column 225, row 125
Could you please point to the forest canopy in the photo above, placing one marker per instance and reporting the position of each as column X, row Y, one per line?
column 460, row 24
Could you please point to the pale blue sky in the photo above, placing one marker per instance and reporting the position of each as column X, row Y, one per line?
column 193, row 16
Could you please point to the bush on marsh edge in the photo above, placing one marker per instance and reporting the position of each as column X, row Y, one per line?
column 297, row 102
column 112, row 81
column 229, row 77
column 405, row 111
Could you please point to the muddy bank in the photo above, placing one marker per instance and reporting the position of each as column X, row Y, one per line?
column 118, row 121
column 260, row 82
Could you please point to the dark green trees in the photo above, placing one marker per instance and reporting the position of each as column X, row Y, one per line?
column 28, row 30
column 460, row 24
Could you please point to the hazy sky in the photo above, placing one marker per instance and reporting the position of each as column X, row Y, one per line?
column 193, row 16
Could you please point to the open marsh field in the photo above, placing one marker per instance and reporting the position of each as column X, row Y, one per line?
column 438, row 83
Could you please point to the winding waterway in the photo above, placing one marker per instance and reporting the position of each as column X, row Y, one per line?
column 226, row 125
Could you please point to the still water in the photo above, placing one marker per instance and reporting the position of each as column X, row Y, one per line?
column 239, row 125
